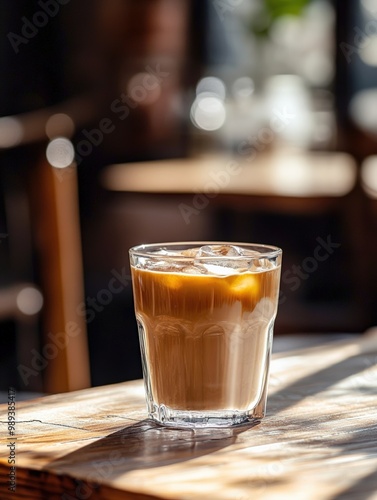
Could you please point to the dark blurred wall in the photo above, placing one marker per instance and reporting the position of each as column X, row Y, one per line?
column 31, row 68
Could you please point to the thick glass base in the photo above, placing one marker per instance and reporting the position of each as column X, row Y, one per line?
column 197, row 419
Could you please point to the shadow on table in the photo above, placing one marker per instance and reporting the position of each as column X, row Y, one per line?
column 321, row 380
column 144, row 445
column 357, row 440
column 362, row 490
column 364, row 445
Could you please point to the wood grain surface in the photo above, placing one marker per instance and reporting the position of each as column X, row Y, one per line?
column 319, row 440
column 281, row 173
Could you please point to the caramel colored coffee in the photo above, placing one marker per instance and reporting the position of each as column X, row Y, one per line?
column 205, row 337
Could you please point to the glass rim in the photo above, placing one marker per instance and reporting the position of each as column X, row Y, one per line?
column 265, row 250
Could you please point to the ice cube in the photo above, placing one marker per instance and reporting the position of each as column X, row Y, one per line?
column 220, row 250
column 221, row 266
column 194, row 269
column 163, row 266
column 167, row 253
column 190, row 252
column 261, row 264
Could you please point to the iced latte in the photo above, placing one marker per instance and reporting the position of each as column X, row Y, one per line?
column 205, row 316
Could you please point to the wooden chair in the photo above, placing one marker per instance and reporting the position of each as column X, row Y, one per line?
column 54, row 213
column 56, row 217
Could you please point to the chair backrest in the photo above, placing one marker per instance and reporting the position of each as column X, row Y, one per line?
column 56, row 216
column 61, row 353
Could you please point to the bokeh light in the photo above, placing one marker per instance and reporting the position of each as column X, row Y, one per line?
column 369, row 5
column 29, row 301
column 208, row 109
column 243, row 87
column 208, row 113
column 211, row 86
column 144, row 88
column 317, row 68
column 362, row 109
column 60, row 124
column 369, row 176
column 60, row 152
column 368, row 53
column 11, row 132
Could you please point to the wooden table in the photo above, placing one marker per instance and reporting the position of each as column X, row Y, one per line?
column 282, row 173
column 319, row 440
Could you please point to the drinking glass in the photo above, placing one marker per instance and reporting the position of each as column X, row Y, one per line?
column 205, row 313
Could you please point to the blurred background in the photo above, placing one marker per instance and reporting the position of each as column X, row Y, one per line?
column 125, row 122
